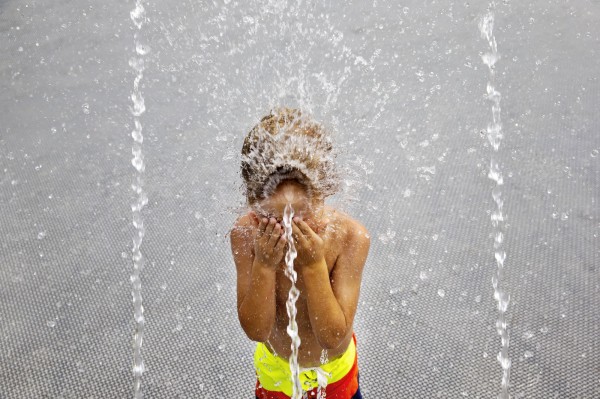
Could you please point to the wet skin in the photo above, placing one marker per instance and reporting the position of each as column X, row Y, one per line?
column 332, row 249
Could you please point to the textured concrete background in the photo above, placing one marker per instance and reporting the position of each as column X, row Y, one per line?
column 402, row 85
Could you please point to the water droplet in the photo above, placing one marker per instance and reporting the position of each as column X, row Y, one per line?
column 594, row 153
column 528, row 354
column 197, row 215
column 435, row 237
column 137, row 64
column 427, row 169
column 528, row 334
column 423, row 276
column 478, row 299
column 20, row 49
column 142, row 49
column 138, row 369
column 53, row 130
column 41, row 235
column 441, row 293
column 85, row 107
column 51, row 323
column 138, row 15
column 504, row 361
column 544, row 330
column 564, row 216
column 387, row 236
column 490, row 60
column 405, row 10
column 407, row 193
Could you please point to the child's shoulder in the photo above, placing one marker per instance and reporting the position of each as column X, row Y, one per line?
column 351, row 239
column 349, row 229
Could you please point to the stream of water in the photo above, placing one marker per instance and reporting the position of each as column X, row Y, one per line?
column 138, row 16
column 495, row 135
column 292, row 329
column 293, row 295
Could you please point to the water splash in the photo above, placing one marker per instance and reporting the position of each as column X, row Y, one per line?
column 321, row 393
column 138, row 16
column 293, row 295
column 495, row 135
column 289, row 144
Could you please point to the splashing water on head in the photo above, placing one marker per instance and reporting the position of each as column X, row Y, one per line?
column 287, row 145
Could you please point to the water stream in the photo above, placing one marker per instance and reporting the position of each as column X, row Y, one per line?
column 138, row 16
column 292, row 328
column 495, row 135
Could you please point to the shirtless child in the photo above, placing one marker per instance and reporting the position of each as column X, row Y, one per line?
column 287, row 158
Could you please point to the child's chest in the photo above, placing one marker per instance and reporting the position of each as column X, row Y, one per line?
column 283, row 283
column 332, row 245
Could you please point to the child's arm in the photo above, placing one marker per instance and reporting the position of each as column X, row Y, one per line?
column 256, row 274
column 332, row 303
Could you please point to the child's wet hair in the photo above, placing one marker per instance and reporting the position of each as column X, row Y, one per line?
column 288, row 145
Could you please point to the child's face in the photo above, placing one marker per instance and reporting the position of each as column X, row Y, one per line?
column 294, row 194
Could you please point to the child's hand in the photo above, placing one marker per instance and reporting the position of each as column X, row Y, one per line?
column 308, row 244
column 269, row 242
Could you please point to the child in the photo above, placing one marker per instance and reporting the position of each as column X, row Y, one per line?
column 287, row 158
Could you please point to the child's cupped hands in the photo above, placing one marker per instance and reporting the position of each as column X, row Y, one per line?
column 269, row 241
column 309, row 245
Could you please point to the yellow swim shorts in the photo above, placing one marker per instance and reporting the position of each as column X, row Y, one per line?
column 274, row 375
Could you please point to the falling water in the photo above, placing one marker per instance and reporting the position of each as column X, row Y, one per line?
column 323, row 381
column 138, row 16
column 292, row 328
column 494, row 135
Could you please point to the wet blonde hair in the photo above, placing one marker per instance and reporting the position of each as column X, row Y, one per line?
column 288, row 145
